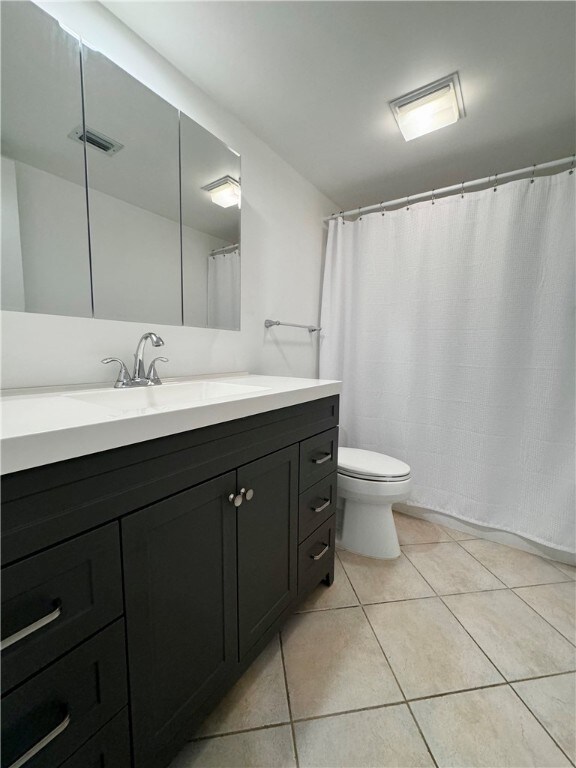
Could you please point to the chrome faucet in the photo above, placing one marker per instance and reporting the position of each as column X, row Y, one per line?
column 139, row 378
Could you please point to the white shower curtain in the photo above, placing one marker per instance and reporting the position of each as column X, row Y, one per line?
column 224, row 291
column 451, row 326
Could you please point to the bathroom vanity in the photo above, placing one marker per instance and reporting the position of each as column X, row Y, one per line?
column 140, row 580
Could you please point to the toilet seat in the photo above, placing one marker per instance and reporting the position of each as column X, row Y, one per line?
column 371, row 466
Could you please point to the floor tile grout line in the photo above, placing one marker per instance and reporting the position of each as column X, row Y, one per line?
column 421, row 732
column 481, row 538
column 413, row 716
column 491, row 661
column 398, row 703
column 416, row 723
column 292, row 729
column 437, row 594
column 535, row 716
column 462, row 625
column 265, row 727
column 360, row 605
column 426, row 597
column 518, row 586
column 524, row 587
column 513, row 589
column 462, row 547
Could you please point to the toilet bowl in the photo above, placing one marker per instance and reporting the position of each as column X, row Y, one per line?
column 368, row 484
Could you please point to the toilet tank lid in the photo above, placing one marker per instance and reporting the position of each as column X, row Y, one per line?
column 361, row 462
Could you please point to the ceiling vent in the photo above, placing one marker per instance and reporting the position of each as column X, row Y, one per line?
column 426, row 109
column 95, row 139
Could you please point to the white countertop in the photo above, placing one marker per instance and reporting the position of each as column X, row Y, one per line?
column 50, row 424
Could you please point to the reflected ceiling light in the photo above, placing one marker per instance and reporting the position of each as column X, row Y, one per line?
column 426, row 109
column 225, row 192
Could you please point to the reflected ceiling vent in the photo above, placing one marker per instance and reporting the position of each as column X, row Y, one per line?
column 225, row 192
column 95, row 139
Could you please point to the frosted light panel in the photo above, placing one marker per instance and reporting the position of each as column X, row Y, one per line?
column 226, row 195
column 421, row 116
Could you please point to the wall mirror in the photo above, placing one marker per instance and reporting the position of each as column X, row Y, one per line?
column 210, row 229
column 132, row 169
column 115, row 205
column 45, row 259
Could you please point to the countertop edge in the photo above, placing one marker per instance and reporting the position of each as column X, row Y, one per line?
column 34, row 450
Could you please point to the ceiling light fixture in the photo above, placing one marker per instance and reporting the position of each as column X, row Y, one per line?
column 225, row 192
column 426, row 109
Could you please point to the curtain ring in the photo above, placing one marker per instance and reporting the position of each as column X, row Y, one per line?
column 495, row 182
column 407, row 202
column 462, row 191
column 341, row 214
column 571, row 171
column 359, row 213
column 382, row 208
column 433, row 196
column 533, row 172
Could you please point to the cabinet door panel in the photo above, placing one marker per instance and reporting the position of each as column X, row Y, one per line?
column 180, row 583
column 267, row 542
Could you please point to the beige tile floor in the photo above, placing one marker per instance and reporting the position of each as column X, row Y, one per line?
column 461, row 653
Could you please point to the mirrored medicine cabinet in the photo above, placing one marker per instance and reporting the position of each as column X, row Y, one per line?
column 115, row 205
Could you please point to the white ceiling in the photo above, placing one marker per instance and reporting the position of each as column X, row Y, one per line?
column 313, row 80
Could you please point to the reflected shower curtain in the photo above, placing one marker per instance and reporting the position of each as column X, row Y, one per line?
column 451, row 326
column 224, row 291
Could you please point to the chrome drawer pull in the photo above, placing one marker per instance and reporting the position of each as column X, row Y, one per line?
column 321, row 554
column 324, row 459
column 31, row 628
column 322, row 507
column 42, row 743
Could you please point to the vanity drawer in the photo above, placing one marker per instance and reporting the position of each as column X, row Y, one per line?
column 54, row 600
column 109, row 748
column 59, row 709
column 318, row 457
column 316, row 556
column 316, row 505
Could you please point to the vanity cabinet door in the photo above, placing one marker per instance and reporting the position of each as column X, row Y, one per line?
column 180, row 586
column 267, row 543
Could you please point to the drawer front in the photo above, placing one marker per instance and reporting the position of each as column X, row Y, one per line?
column 316, row 505
column 318, row 457
column 56, row 599
column 109, row 748
column 316, row 557
column 57, row 711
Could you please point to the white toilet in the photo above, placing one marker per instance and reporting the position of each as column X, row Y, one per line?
column 368, row 484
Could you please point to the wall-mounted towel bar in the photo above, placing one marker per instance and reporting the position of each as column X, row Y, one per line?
column 309, row 328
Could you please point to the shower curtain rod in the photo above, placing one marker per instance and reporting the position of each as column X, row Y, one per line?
column 226, row 249
column 495, row 179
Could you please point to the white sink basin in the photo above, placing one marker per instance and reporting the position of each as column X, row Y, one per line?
column 164, row 396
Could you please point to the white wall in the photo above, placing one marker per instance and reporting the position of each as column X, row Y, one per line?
column 12, row 276
column 282, row 241
column 54, row 236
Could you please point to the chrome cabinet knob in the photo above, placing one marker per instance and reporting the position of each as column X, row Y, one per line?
column 238, row 498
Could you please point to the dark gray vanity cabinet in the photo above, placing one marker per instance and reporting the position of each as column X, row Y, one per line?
column 267, row 536
column 180, row 588
column 140, row 583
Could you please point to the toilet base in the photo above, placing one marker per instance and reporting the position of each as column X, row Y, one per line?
column 368, row 529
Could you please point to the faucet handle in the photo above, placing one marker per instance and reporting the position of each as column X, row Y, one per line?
column 152, row 374
column 124, row 379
